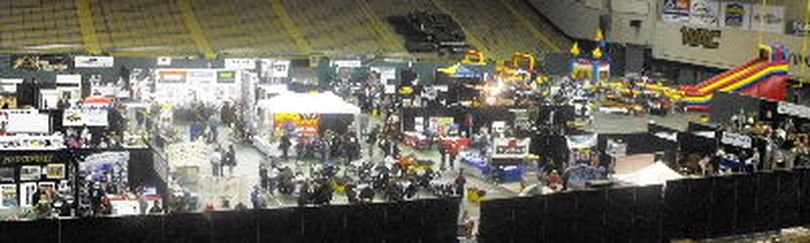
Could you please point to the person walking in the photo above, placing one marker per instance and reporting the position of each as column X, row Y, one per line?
column 284, row 145
column 372, row 141
column 443, row 155
column 231, row 154
column 216, row 162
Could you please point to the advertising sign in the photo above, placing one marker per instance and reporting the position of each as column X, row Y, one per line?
column 272, row 68
column 735, row 15
column 226, row 77
column 676, row 10
column 768, row 19
column 701, row 37
column 704, row 13
column 93, row 61
column 172, row 76
column 89, row 117
column 799, row 28
column 791, row 109
column 240, row 63
column 736, row 139
column 511, row 148
column 300, row 124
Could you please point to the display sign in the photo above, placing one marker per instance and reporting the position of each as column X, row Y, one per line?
column 40, row 62
column 791, row 109
column 704, row 13
column 93, row 61
column 511, row 148
column 240, row 63
column 9, row 85
column 799, row 28
column 736, row 15
column 736, row 139
column 348, row 63
column 226, row 77
column 88, row 117
column 172, row 76
column 700, row 37
column 24, row 121
column 676, row 10
column 8, row 196
column 768, row 19
column 164, row 61
column 40, row 158
column 386, row 73
column 273, row 68
column 300, row 124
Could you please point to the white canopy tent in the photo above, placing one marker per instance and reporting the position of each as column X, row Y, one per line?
column 657, row 173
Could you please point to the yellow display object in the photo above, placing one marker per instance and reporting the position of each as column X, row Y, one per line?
column 575, row 51
column 523, row 56
column 406, row 90
column 599, row 35
column 451, row 69
column 474, row 195
column 597, row 53
column 474, row 57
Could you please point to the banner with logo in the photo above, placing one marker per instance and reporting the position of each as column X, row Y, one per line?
column 704, row 13
column 273, row 68
column 735, row 139
column 768, row 19
column 240, row 63
column 299, row 124
column 735, row 15
column 93, row 61
column 511, row 148
column 787, row 108
column 676, row 10
column 89, row 117
column 227, row 77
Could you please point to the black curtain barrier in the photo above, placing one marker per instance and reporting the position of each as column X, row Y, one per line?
column 496, row 223
column 804, row 195
column 787, row 199
column 401, row 225
column 236, row 226
column 618, row 214
column 676, row 204
column 723, row 209
column 364, row 223
column 324, row 224
column 280, row 225
column 188, row 228
column 560, row 209
column 700, row 191
column 589, row 217
column 746, row 203
column 528, row 219
column 767, row 188
column 35, row 231
column 648, row 214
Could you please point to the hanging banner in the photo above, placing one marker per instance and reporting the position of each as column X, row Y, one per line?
column 172, row 76
column 511, row 148
column 735, row 15
column 93, row 61
column 226, row 77
column 164, row 61
column 768, row 19
column 676, row 10
column 704, row 13
column 735, row 139
column 300, row 124
column 386, row 73
column 581, row 141
column 9, row 85
column 787, row 108
column 348, row 63
column 89, row 117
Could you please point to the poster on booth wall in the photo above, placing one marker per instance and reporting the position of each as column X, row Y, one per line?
column 240, row 63
column 89, row 117
column 511, row 148
column 298, row 124
column 441, row 125
column 8, row 196
column 735, row 15
column 704, row 13
column 676, row 10
column 106, row 166
column 226, row 77
column 93, row 61
column 386, row 73
column 768, row 19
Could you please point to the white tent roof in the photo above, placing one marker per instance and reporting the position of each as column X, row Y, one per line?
column 322, row 103
column 658, row 173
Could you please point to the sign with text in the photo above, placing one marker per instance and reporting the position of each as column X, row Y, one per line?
column 89, row 117
column 735, row 139
column 676, row 10
column 735, row 15
column 768, row 19
column 511, row 148
column 93, row 61
column 704, row 13
column 701, row 37
column 787, row 108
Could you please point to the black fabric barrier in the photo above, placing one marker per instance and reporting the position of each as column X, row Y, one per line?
column 676, row 201
column 746, row 204
column 804, row 196
column 237, row 227
column 648, row 213
column 722, row 207
column 766, row 202
column 529, row 219
column 619, row 214
column 787, row 199
column 559, row 209
column 589, row 217
column 698, row 209
column 496, row 222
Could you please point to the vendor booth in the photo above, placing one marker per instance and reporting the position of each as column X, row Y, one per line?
column 180, row 86
column 303, row 115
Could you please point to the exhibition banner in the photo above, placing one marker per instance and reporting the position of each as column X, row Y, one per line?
column 273, row 68
column 704, row 13
column 676, row 10
column 240, row 63
column 93, row 61
column 226, row 77
column 511, row 148
column 768, row 19
column 89, row 117
column 787, row 108
column 172, row 76
column 299, row 124
column 736, row 139
column 735, row 15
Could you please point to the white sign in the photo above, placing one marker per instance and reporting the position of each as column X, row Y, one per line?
column 348, row 63
column 768, row 19
column 24, row 121
column 735, row 139
column 164, row 61
column 240, row 63
column 791, row 109
column 676, row 10
column 272, row 68
column 89, row 117
column 704, row 13
column 386, row 73
column 511, row 148
column 9, row 85
column 93, row 61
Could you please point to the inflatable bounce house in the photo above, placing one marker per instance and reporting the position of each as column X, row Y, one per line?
column 764, row 76
column 595, row 66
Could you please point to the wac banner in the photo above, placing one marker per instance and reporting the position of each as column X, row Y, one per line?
column 701, row 37
column 301, row 124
